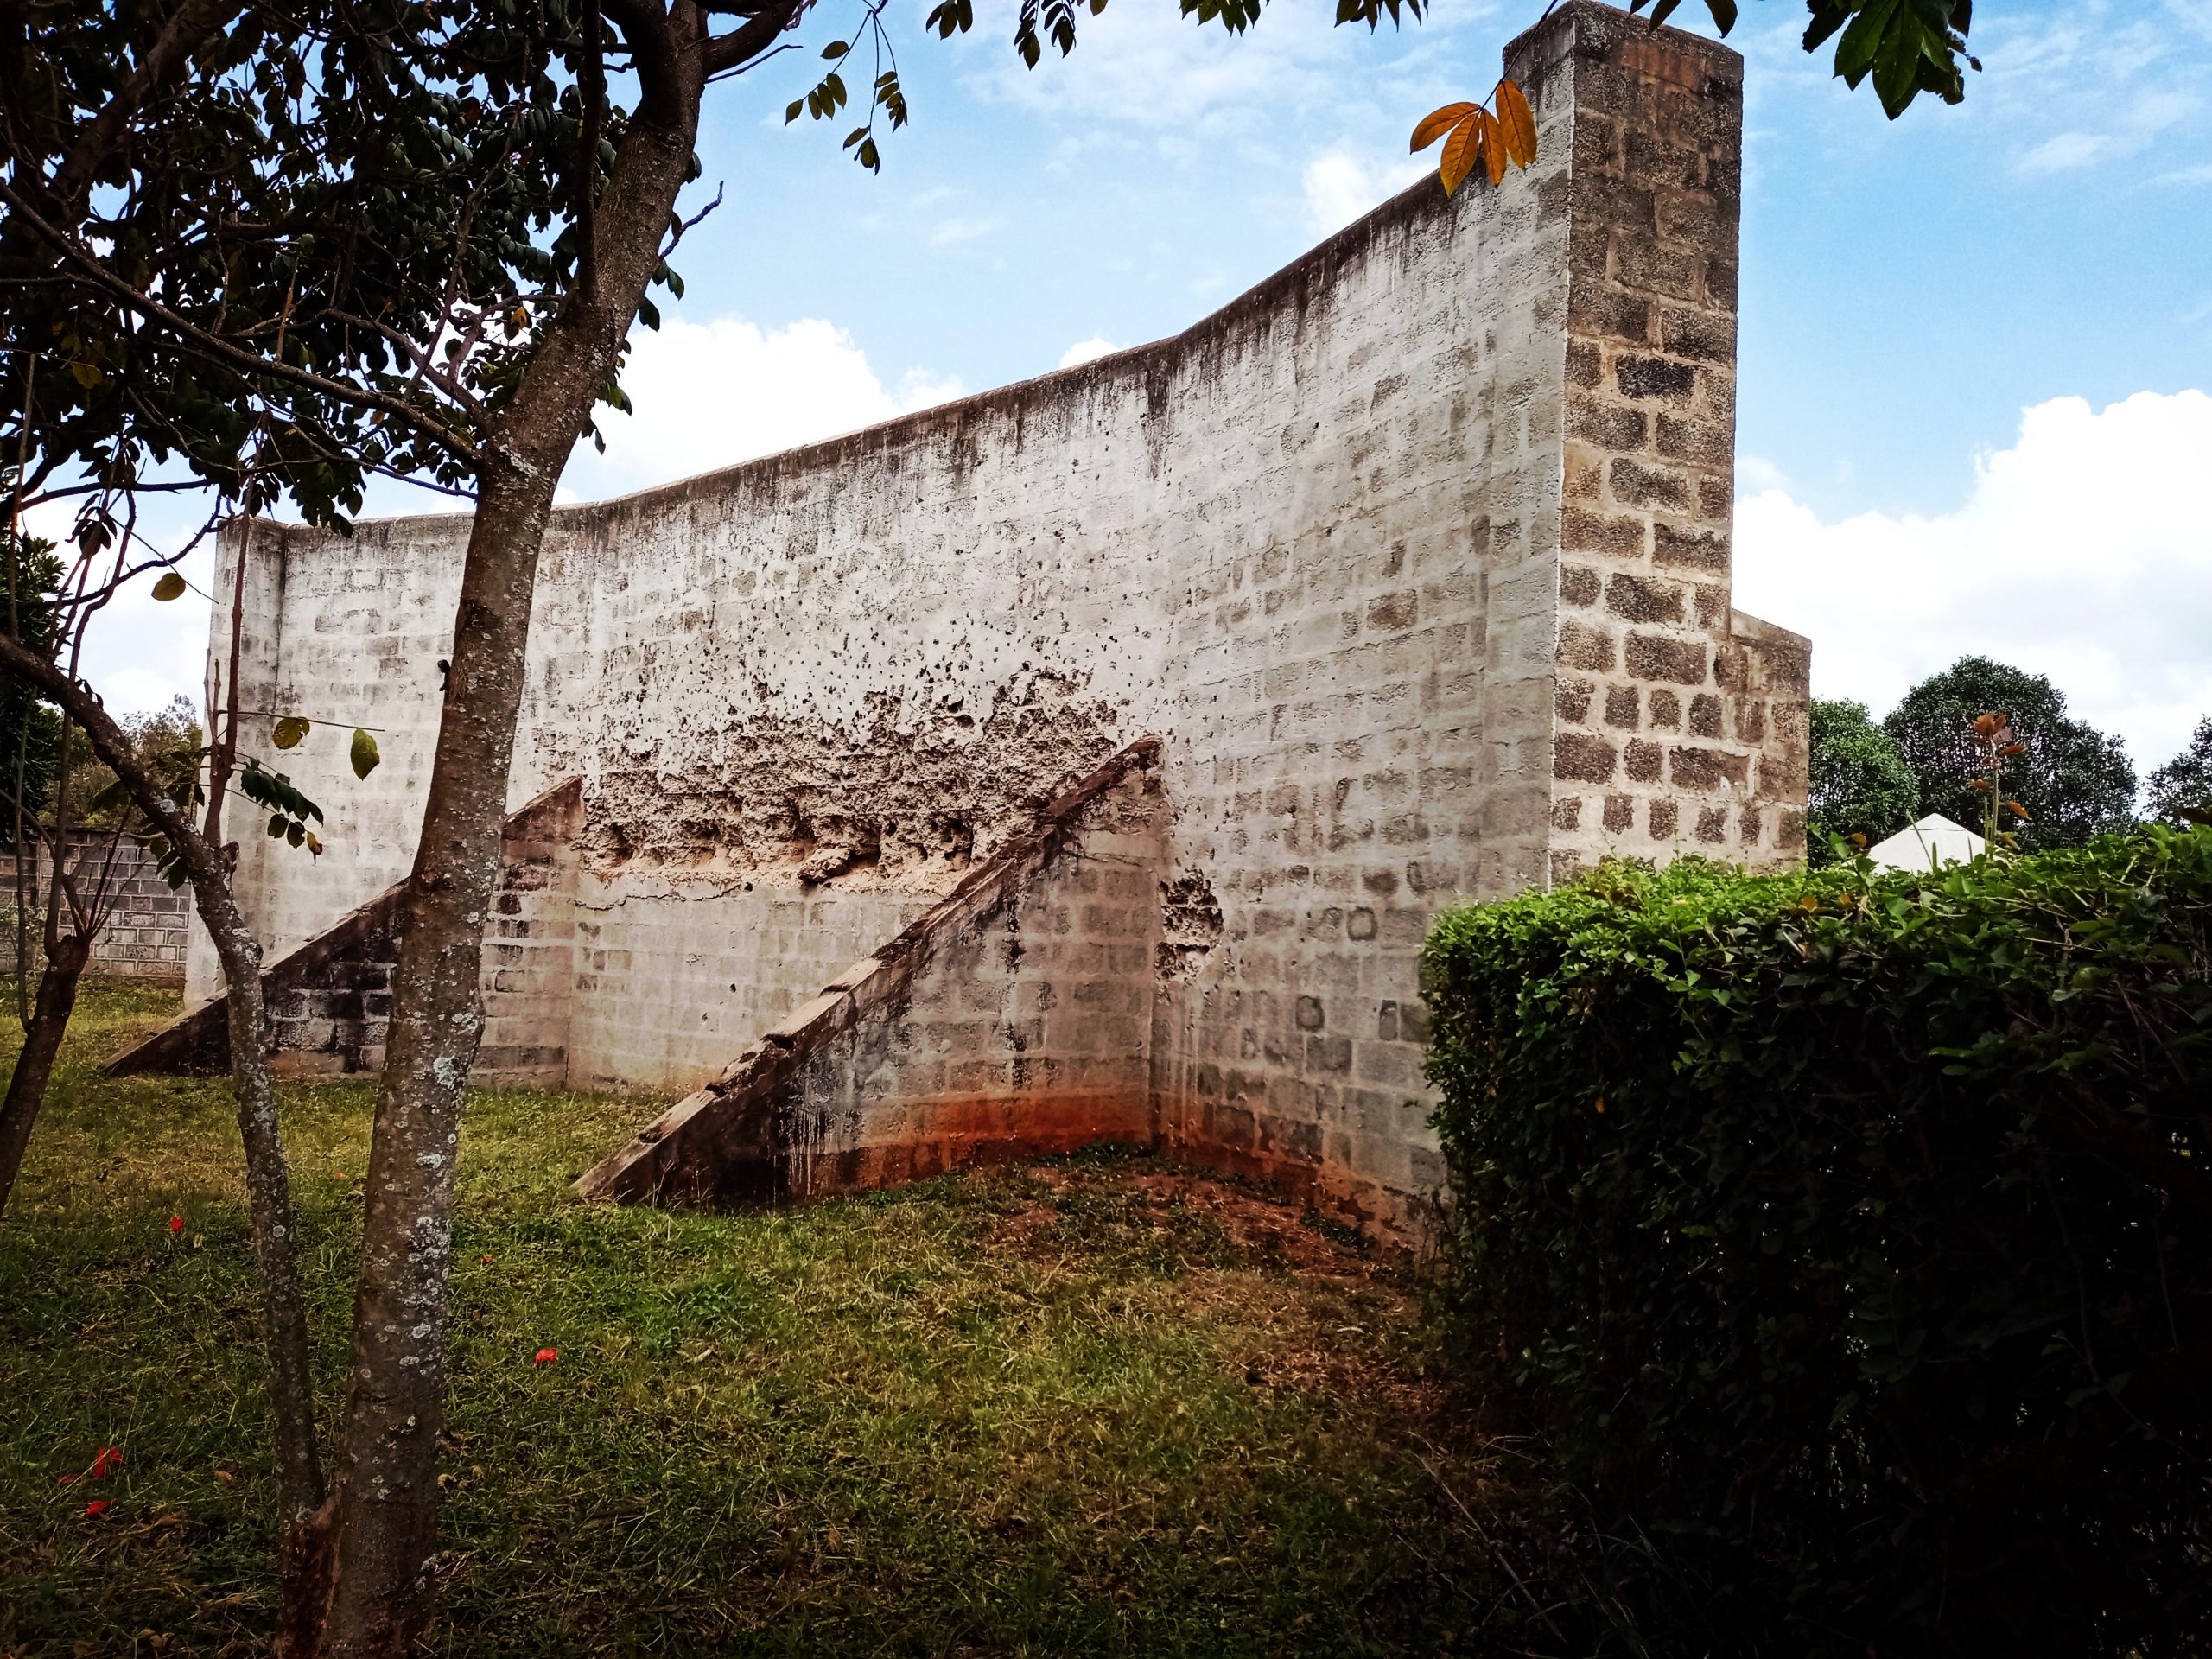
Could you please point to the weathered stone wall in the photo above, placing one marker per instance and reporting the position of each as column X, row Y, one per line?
column 145, row 938
column 1012, row 1018
column 329, row 999
column 1415, row 556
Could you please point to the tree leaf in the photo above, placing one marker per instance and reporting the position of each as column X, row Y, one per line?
column 290, row 732
column 364, row 754
column 1518, row 121
column 1461, row 151
column 1437, row 122
column 171, row 586
column 1856, row 51
column 1724, row 14
column 1493, row 146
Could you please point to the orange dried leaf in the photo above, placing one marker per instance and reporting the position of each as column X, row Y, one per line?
column 1437, row 122
column 1461, row 151
column 1519, row 122
column 1493, row 146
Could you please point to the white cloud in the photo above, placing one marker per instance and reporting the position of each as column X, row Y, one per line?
column 951, row 232
column 2082, row 553
column 1147, row 66
column 141, row 652
column 708, row 395
column 2062, row 152
column 1340, row 186
column 1088, row 351
column 1756, row 473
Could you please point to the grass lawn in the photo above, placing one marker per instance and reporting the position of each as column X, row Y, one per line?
column 1091, row 1406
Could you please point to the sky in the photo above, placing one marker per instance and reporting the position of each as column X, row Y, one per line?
column 1975, row 364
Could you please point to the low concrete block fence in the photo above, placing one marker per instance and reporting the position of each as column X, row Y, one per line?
column 145, row 937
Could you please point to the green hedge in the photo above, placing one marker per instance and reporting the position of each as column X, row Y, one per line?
column 1846, row 1239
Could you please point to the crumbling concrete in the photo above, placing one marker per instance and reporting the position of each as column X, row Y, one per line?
column 1415, row 559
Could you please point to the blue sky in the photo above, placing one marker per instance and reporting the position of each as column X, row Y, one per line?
column 1908, row 288
column 1911, row 291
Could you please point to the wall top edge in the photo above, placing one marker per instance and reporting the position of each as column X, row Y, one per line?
column 1422, row 200
column 1756, row 631
column 1592, row 27
column 1585, row 28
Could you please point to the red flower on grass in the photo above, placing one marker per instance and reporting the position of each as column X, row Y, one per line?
column 109, row 1460
column 176, row 1224
column 545, row 1356
column 97, row 1508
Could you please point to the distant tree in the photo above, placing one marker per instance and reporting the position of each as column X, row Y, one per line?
column 1860, row 783
column 29, row 733
column 2074, row 780
column 2181, row 791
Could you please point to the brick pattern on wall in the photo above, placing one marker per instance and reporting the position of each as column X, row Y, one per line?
column 146, row 933
column 1014, row 1018
column 329, row 1000
column 1416, row 557
column 1665, row 723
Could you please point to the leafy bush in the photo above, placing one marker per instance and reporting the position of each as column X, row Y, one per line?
column 1847, row 1240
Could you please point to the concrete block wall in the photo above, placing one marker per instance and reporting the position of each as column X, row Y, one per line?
column 147, row 931
column 1014, row 1018
column 329, row 1000
column 1664, row 728
column 1415, row 557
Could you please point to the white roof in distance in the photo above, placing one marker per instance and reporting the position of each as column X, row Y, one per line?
column 1934, row 840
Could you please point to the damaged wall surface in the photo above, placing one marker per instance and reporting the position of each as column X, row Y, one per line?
column 1414, row 559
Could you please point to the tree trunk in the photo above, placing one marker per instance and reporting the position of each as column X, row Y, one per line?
column 385, row 1501
column 57, row 997
column 268, row 1186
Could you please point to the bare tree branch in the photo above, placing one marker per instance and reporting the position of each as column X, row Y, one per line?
column 753, row 37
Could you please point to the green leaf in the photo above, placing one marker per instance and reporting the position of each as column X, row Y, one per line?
column 364, row 754
column 290, row 732
column 171, row 586
column 836, row 50
column 1862, row 42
